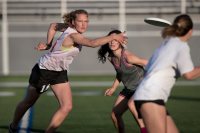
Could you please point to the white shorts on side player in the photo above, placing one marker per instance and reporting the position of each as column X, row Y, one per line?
column 156, row 86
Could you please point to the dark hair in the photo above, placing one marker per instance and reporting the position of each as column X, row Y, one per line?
column 180, row 27
column 69, row 17
column 104, row 49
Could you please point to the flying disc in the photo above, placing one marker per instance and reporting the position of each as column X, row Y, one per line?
column 157, row 22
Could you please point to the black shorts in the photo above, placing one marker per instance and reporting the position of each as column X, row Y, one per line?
column 139, row 103
column 127, row 93
column 41, row 79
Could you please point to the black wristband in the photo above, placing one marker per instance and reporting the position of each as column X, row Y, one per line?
column 48, row 46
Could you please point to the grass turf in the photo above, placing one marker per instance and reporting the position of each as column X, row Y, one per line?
column 92, row 113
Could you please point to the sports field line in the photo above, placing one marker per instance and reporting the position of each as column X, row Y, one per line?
column 92, row 83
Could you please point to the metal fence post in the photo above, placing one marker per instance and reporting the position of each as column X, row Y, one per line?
column 122, row 15
column 5, row 47
column 183, row 6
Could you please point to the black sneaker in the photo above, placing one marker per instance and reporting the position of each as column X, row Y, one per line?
column 11, row 130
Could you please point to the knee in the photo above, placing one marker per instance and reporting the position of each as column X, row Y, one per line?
column 115, row 115
column 69, row 109
column 131, row 104
column 66, row 109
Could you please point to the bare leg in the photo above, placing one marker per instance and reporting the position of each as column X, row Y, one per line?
column 119, row 108
column 154, row 117
column 64, row 97
column 171, row 127
column 133, row 110
column 30, row 98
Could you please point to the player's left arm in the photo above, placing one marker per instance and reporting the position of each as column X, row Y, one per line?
column 133, row 59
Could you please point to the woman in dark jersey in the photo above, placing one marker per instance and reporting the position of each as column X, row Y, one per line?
column 129, row 71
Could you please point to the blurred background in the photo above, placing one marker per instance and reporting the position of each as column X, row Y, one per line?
column 24, row 23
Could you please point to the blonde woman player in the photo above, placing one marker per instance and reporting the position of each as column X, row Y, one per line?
column 129, row 71
column 52, row 67
column 171, row 60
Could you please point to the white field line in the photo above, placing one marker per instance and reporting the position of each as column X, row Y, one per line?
column 92, row 83
column 81, row 93
column 6, row 93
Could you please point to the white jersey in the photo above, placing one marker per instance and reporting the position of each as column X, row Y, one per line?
column 173, row 55
column 59, row 58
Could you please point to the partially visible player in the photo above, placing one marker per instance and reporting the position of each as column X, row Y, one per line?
column 129, row 71
column 171, row 60
column 52, row 67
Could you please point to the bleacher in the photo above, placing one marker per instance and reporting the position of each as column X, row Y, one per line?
column 101, row 7
column 193, row 6
column 28, row 21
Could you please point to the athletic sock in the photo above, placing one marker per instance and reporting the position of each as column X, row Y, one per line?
column 143, row 130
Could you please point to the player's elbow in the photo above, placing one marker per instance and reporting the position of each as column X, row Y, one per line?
column 53, row 26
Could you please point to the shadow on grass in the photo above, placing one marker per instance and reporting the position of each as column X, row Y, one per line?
column 31, row 129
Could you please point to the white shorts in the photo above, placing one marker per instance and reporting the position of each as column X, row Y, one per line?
column 157, row 86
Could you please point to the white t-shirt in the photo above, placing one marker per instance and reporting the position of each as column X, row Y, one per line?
column 173, row 54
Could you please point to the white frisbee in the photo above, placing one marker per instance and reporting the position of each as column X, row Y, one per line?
column 157, row 22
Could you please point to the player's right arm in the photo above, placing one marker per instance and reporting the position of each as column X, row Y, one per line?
column 80, row 39
column 53, row 28
column 110, row 91
column 195, row 73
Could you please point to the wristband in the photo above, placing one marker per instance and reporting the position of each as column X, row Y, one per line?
column 48, row 46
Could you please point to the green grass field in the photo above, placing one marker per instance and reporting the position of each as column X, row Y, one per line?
column 91, row 113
